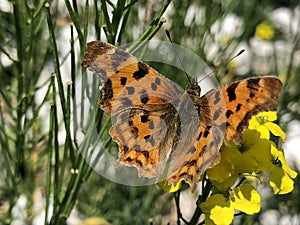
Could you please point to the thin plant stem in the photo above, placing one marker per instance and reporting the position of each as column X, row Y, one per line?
column 153, row 27
column 49, row 164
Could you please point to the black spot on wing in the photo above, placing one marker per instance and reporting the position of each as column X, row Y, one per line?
column 144, row 98
column 134, row 131
column 144, row 118
column 149, row 138
column 253, row 83
column 128, row 159
column 238, row 107
column 139, row 162
column 253, row 86
column 206, row 132
column 199, row 136
column 141, row 72
column 183, row 174
column 228, row 113
column 123, row 80
column 107, row 90
column 251, row 95
column 192, row 163
column 146, row 154
column 231, row 91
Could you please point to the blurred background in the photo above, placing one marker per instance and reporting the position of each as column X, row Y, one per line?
column 43, row 176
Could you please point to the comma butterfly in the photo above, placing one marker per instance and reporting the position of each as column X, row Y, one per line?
column 167, row 133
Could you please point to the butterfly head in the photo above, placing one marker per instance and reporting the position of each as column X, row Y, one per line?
column 193, row 89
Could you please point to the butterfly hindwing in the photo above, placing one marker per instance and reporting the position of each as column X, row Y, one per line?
column 204, row 154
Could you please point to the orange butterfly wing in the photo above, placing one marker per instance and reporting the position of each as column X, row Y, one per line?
column 237, row 102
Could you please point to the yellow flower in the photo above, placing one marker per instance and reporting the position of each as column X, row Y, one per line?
column 168, row 187
column 215, row 206
column 281, row 175
column 262, row 122
column 253, row 155
column 243, row 198
column 94, row 221
column 264, row 31
column 225, row 168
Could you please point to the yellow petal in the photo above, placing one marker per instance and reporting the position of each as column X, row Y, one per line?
column 246, row 199
column 278, row 155
column 266, row 116
column 253, row 123
column 225, row 169
column 280, row 181
column 217, row 205
column 275, row 130
column 286, row 168
column 264, row 132
column 169, row 187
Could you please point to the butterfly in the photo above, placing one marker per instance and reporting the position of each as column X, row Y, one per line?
column 167, row 133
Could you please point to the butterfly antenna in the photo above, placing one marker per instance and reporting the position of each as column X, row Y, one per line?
column 217, row 67
column 170, row 39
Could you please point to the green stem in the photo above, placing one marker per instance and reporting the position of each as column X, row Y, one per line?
column 97, row 23
column 56, row 62
column 75, row 20
column 20, row 139
column 124, row 21
column 152, row 29
column 205, row 193
column 57, row 180
column 49, row 163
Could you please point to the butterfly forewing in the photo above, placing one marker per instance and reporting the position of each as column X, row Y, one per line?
column 237, row 102
column 127, row 82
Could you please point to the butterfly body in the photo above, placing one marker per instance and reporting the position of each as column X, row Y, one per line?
column 167, row 133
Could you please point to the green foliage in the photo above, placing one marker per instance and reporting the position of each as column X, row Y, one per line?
column 39, row 150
